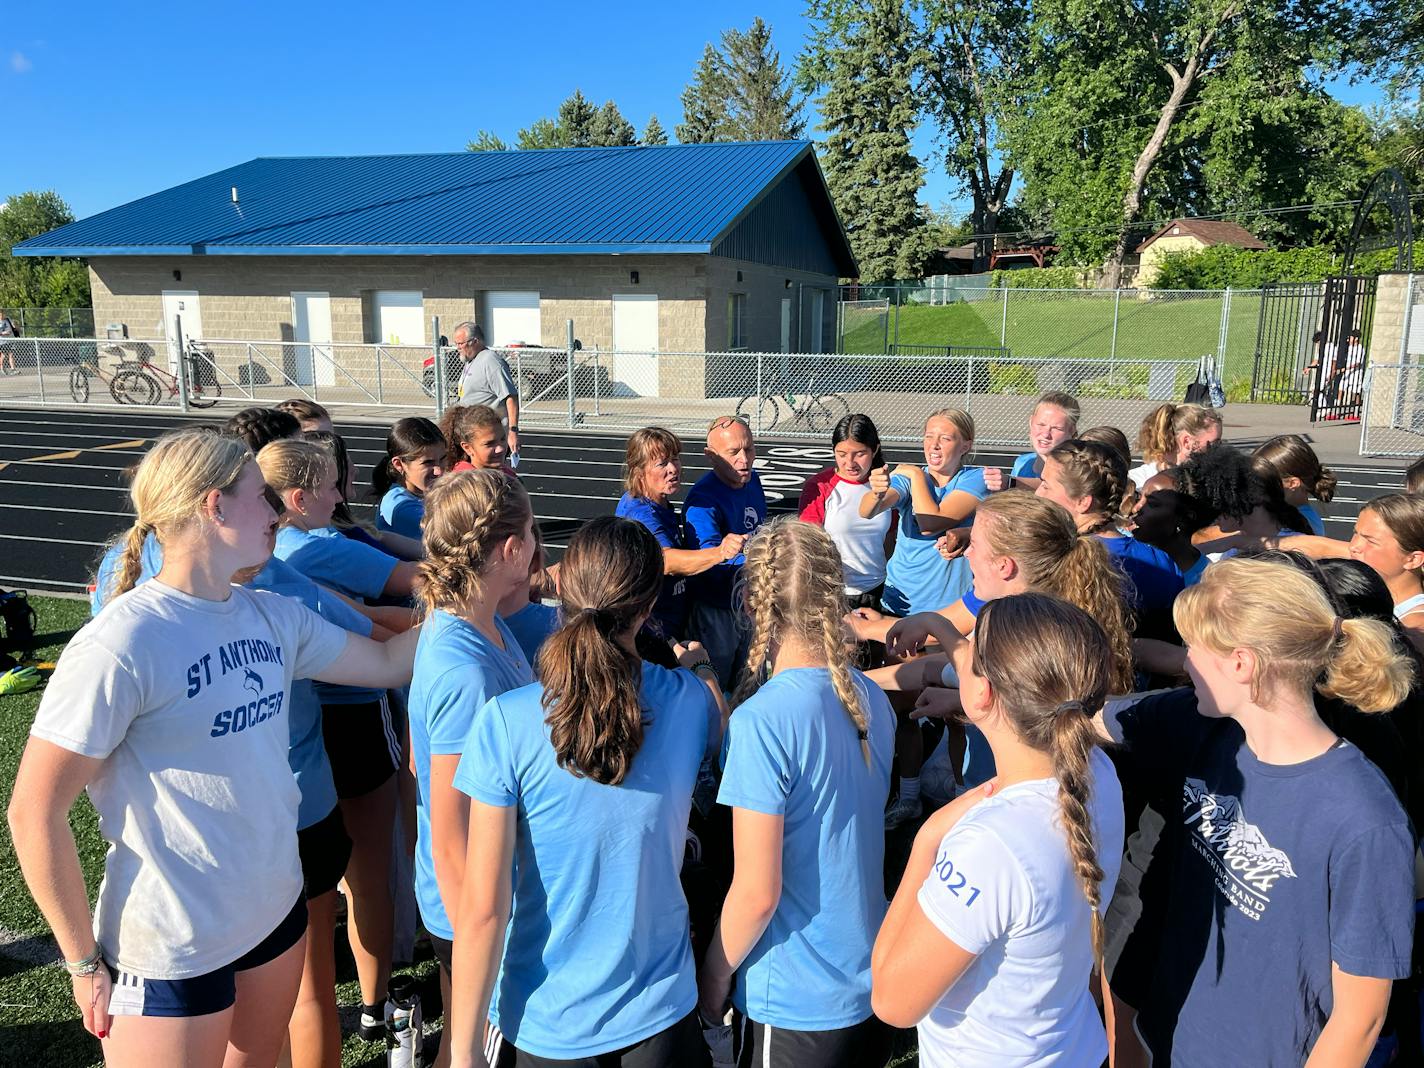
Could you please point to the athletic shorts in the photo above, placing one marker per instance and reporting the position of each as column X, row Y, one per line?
column 202, row 995
column 444, row 951
column 325, row 848
column 679, row 1046
column 362, row 744
column 756, row 1045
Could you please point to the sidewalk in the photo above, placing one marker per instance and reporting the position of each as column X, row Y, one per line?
column 1334, row 443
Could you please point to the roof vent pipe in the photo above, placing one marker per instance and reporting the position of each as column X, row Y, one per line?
column 234, row 194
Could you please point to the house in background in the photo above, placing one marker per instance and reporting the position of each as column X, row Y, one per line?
column 678, row 249
column 1189, row 235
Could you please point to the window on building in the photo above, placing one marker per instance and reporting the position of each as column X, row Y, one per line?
column 737, row 321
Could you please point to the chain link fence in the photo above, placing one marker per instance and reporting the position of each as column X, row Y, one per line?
column 779, row 394
column 1392, row 422
column 1131, row 325
column 52, row 322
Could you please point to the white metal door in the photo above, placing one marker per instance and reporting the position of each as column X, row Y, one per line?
column 181, row 304
column 635, row 344
column 818, row 320
column 785, row 324
column 400, row 317
column 311, row 326
column 511, row 317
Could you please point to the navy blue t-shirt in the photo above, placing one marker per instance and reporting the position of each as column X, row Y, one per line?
column 1276, row 871
column 714, row 510
column 663, row 521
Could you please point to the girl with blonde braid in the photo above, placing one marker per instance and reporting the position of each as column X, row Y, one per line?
column 996, row 928
column 806, row 774
column 479, row 541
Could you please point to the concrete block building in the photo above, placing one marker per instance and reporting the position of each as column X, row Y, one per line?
column 675, row 249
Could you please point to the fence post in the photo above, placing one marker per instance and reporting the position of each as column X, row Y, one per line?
column 969, row 382
column 1225, row 330
column 596, row 410
column 39, row 369
column 759, row 394
column 1397, row 408
column 1112, row 352
column 569, row 347
column 1004, row 318
column 251, row 374
column 71, row 322
column 897, row 317
column 182, row 362
column 437, row 376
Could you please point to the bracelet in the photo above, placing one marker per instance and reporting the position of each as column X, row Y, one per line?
column 695, row 669
column 90, row 965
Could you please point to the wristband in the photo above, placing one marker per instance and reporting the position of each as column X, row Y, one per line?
column 696, row 668
column 90, row 965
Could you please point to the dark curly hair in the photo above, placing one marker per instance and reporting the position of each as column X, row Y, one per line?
column 1222, row 481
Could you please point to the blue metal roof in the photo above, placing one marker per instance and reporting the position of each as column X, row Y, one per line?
column 673, row 198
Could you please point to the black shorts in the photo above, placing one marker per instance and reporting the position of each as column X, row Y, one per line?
column 202, row 995
column 444, row 951
column 325, row 849
column 362, row 744
column 679, row 1046
column 757, row 1045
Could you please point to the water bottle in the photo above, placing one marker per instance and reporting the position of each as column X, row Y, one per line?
column 403, row 1032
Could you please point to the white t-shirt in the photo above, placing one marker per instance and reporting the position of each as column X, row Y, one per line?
column 185, row 700
column 1003, row 887
column 1142, row 473
column 861, row 541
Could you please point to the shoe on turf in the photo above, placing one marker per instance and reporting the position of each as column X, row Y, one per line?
column 19, row 680
column 372, row 1027
column 902, row 811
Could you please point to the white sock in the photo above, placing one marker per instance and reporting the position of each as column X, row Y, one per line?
column 910, row 788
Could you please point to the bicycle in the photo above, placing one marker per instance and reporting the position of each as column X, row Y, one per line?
column 145, row 382
column 819, row 411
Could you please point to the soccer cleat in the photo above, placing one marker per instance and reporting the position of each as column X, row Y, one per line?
column 19, row 680
column 372, row 1027
column 902, row 811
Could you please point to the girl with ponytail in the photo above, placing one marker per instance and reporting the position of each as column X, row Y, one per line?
column 806, row 774
column 1170, row 433
column 997, row 925
column 415, row 458
column 580, row 788
column 479, row 542
column 1291, row 459
column 1288, row 907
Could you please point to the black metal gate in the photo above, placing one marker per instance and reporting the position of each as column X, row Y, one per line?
column 1337, row 378
column 1290, row 316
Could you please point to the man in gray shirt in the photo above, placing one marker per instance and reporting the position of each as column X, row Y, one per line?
column 486, row 379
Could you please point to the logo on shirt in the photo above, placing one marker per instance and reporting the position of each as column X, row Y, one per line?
column 750, row 519
column 236, row 658
column 1246, row 866
column 253, row 682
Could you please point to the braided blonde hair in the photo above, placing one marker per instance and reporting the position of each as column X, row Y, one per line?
column 792, row 583
column 468, row 515
column 1048, row 662
column 168, row 490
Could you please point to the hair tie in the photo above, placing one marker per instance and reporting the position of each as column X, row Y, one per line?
column 1068, row 706
column 1337, row 628
column 601, row 617
column 862, row 735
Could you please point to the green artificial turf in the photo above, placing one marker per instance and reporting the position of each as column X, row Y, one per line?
column 1043, row 325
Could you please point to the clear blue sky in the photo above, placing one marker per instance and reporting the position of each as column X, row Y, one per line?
column 105, row 106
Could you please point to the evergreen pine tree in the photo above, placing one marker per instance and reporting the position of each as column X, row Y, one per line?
column 873, row 176
column 576, row 121
column 653, row 133
column 704, row 102
column 609, row 127
column 761, row 102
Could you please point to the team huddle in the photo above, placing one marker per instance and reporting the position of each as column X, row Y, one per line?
column 1161, row 738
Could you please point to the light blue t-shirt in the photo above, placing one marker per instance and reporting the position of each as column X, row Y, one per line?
column 307, row 751
column 151, row 563
column 1317, row 525
column 917, row 578
column 792, row 750
column 597, row 955
column 329, row 557
column 457, row 669
column 401, row 511
column 1025, row 466
column 531, row 625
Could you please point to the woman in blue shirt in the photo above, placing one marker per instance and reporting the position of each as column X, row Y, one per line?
column 479, row 542
column 415, row 458
column 652, row 472
column 572, row 930
column 806, row 774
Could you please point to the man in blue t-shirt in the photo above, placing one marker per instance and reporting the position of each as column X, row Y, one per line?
column 727, row 500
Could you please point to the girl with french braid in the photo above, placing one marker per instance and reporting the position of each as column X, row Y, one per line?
column 479, row 541
column 806, row 774
column 996, row 928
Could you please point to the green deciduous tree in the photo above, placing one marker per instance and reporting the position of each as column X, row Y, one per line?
column 741, row 92
column 653, row 133
column 486, row 141
column 541, row 133
column 38, row 282
column 868, row 109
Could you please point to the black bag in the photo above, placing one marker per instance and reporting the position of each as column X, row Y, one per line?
column 1199, row 390
column 19, row 619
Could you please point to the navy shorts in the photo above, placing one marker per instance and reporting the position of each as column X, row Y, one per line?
column 201, row 995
